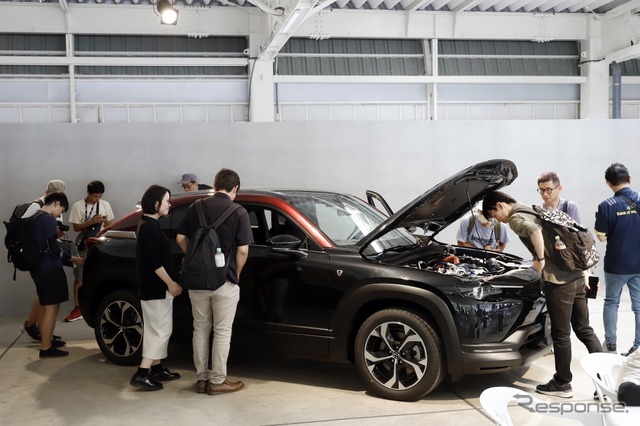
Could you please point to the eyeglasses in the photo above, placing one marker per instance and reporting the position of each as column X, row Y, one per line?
column 546, row 190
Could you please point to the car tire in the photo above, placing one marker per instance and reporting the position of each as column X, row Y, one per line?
column 399, row 355
column 118, row 327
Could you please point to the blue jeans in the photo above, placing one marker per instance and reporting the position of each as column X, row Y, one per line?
column 615, row 283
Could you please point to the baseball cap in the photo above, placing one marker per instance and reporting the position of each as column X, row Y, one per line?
column 188, row 177
column 56, row 186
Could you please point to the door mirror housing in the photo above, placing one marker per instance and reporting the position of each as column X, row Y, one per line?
column 286, row 244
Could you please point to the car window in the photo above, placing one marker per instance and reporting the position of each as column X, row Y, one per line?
column 258, row 227
column 169, row 223
column 344, row 220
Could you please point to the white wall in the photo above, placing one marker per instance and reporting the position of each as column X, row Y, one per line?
column 399, row 160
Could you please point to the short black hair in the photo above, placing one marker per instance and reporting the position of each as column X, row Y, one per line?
column 492, row 199
column 226, row 179
column 152, row 196
column 95, row 187
column 617, row 174
column 57, row 196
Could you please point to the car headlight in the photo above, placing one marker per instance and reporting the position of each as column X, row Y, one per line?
column 477, row 290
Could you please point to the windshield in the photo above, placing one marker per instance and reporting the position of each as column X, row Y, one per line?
column 345, row 220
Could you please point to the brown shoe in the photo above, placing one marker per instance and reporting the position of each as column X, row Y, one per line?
column 224, row 387
column 201, row 386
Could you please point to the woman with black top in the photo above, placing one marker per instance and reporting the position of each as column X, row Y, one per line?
column 157, row 290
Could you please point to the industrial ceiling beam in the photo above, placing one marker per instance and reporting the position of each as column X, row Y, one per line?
column 629, row 7
column 297, row 12
column 123, row 61
column 234, row 21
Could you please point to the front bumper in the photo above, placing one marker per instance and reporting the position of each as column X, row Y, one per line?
column 521, row 348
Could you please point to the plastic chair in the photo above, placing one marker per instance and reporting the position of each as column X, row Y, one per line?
column 495, row 401
column 603, row 368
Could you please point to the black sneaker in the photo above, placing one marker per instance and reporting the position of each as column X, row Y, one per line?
column 32, row 331
column 556, row 389
column 56, row 343
column 609, row 347
column 631, row 350
column 53, row 353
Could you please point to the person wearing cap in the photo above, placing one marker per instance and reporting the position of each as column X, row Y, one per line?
column 35, row 316
column 190, row 183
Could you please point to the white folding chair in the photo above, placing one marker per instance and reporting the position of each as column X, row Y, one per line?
column 495, row 402
column 603, row 368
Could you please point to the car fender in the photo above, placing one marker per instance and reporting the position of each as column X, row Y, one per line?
column 352, row 311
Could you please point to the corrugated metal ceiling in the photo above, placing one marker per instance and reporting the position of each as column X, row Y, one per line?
column 513, row 6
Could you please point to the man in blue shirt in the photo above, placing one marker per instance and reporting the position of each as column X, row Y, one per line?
column 618, row 223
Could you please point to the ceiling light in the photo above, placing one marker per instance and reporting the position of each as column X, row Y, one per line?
column 168, row 14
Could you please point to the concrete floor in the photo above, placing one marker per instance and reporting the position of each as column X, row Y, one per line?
column 84, row 388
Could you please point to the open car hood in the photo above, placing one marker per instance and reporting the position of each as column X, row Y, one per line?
column 449, row 200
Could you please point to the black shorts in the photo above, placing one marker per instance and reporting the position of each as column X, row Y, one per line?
column 51, row 285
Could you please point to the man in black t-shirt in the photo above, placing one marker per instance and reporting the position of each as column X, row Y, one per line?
column 218, row 307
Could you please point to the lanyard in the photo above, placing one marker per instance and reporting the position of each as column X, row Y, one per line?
column 87, row 216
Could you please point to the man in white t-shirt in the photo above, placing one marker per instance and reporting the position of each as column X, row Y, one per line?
column 88, row 216
column 479, row 232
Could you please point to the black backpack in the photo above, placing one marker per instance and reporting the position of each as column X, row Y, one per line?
column 199, row 271
column 580, row 254
column 21, row 240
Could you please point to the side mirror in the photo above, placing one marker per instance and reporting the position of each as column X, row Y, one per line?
column 286, row 244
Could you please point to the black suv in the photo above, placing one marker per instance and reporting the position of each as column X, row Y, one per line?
column 331, row 277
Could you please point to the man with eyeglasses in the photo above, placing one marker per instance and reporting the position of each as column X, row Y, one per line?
column 549, row 188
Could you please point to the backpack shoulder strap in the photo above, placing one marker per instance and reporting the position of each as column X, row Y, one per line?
column 200, row 211
column 565, row 207
column 472, row 221
column 498, row 230
column 630, row 202
column 233, row 207
column 39, row 202
column 533, row 210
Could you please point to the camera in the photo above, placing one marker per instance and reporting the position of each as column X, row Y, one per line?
column 62, row 227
